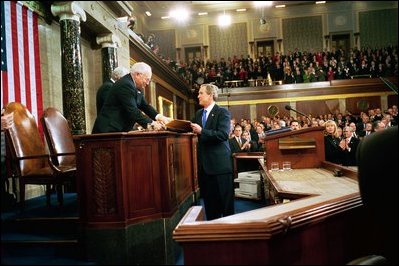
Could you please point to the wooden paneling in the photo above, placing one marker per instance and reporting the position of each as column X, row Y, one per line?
column 353, row 105
column 163, row 92
column 126, row 178
column 240, row 111
column 315, row 98
column 179, row 108
column 392, row 100
column 299, row 158
column 262, row 109
column 317, row 107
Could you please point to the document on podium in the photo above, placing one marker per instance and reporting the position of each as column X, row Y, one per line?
column 180, row 126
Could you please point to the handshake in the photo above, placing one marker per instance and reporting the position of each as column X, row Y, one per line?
column 159, row 123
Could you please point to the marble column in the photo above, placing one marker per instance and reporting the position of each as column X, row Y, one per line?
column 109, row 44
column 357, row 39
column 178, row 55
column 71, row 58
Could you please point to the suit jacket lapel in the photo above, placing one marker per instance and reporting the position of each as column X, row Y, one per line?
column 211, row 115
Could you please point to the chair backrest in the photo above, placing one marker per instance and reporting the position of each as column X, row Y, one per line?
column 58, row 136
column 24, row 139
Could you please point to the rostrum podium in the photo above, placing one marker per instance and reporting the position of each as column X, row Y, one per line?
column 133, row 188
column 315, row 217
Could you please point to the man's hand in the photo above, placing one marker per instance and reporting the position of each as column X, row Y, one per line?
column 157, row 126
column 196, row 128
column 163, row 119
column 7, row 121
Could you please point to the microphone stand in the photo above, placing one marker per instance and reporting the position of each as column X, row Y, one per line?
column 298, row 112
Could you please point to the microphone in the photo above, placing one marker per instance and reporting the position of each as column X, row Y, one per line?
column 288, row 107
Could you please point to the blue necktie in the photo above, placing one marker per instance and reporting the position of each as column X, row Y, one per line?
column 203, row 118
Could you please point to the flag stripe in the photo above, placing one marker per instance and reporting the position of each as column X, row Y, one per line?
column 26, row 60
column 15, row 48
column 37, row 70
column 20, row 70
column 10, row 63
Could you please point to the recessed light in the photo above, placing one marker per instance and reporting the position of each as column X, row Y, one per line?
column 148, row 13
column 280, row 6
column 202, row 13
column 241, row 10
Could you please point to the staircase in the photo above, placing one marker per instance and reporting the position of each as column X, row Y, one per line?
column 42, row 235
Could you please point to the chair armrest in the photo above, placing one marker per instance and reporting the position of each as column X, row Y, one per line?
column 63, row 154
column 33, row 157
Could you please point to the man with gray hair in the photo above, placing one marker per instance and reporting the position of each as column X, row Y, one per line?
column 103, row 91
column 125, row 103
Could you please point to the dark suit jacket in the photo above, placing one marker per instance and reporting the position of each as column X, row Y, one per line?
column 102, row 94
column 214, row 153
column 235, row 146
column 122, row 108
column 377, row 159
column 350, row 156
column 333, row 152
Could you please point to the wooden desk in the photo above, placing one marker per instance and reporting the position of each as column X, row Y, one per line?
column 132, row 189
column 327, row 226
column 322, row 223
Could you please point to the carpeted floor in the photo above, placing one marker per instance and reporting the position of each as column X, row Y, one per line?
column 19, row 247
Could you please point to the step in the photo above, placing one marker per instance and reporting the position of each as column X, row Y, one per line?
column 42, row 225
column 45, row 260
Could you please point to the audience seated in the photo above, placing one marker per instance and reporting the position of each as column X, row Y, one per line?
column 293, row 67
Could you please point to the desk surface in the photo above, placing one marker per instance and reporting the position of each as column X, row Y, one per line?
column 320, row 183
column 313, row 181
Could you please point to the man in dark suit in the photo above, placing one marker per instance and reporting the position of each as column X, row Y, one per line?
column 103, row 91
column 212, row 125
column 125, row 101
column 349, row 146
column 377, row 158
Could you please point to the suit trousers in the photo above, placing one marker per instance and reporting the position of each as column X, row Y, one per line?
column 218, row 194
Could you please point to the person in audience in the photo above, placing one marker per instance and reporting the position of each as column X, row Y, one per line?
column 295, row 125
column 212, row 124
column 353, row 126
column 367, row 131
column 7, row 120
column 237, row 142
column 103, row 91
column 379, row 187
column 261, row 137
column 333, row 151
column 125, row 101
column 349, row 146
column 340, row 133
column 378, row 126
column 249, row 145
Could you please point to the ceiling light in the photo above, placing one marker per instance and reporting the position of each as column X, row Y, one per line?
column 202, row 13
column 224, row 20
column 148, row 13
column 241, row 10
column 165, row 17
column 280, row 6
column 263, row 3
column 320, row 2
column 180, row 14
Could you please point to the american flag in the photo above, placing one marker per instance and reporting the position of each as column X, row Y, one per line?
column 20, row 58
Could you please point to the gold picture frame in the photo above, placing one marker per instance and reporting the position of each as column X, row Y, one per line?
column 165, row 107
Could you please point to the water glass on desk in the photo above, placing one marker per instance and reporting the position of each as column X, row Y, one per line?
column 286, row 166
column 274, row 166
